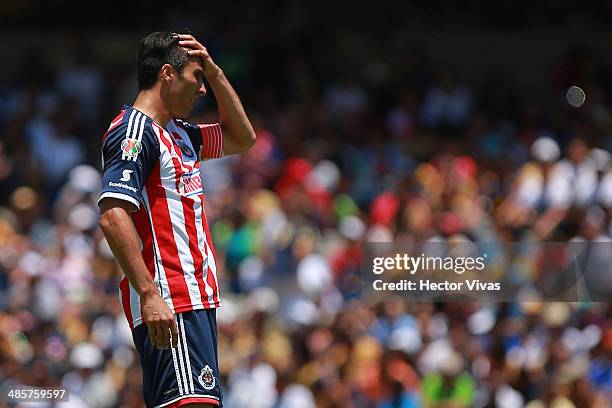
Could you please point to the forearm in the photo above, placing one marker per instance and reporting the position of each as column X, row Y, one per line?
column 238, row 132
column 123, row 241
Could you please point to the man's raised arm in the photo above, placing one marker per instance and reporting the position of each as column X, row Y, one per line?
column 238, row 132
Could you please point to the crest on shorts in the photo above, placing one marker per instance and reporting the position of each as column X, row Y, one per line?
column 207, row 378
column 130, row 148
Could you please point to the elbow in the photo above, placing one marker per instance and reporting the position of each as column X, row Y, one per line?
column 250, row 139
column 111, row 217
column 245, row 141
column 238, row 141
column 106, row 220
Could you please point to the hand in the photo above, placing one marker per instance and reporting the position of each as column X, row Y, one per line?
column 160, row 320
column 196, row 49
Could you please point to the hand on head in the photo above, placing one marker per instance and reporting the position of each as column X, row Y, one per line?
column 197, row 50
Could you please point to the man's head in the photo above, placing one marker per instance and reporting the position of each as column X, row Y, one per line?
column 163, row 62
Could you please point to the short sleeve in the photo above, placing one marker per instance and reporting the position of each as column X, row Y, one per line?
column 205, row 138
column 212, row 141
column 129, row 152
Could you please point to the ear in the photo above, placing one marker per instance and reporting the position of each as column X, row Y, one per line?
column 166, row 72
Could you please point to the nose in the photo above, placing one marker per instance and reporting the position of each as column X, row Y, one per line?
column 202, row 90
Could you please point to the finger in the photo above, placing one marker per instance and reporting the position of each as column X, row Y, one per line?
column 198, row 53
column 165, row 335
column 184, row 36
column 152, row 333
column 189, row 41
column 155, row 342
column 192, row 44
column 174, row 333
column 161, row 329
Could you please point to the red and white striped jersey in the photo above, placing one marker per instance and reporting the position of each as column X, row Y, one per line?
column 158, row 170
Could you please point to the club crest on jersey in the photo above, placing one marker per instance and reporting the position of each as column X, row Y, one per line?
column 186, row 151
column 207, row 378
column 130, row 148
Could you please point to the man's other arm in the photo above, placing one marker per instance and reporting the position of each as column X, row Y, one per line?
column 122, row 238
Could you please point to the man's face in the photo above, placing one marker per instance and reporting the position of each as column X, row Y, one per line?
column 185, row 89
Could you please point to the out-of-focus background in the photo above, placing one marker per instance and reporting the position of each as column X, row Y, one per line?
column 375, row 122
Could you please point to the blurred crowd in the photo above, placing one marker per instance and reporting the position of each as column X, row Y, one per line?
column 337, row 164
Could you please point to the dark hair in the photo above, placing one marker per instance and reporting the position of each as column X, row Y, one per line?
column 157, row 49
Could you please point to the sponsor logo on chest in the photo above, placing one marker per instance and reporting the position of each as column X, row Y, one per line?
column 191, row 183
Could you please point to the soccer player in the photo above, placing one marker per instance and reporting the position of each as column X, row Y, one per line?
column 152, row 214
